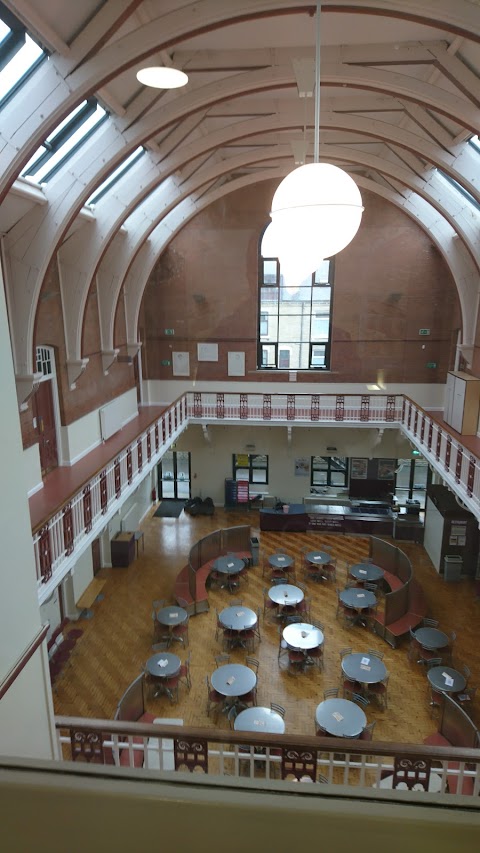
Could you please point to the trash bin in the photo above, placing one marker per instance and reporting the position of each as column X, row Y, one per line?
column 254, row 548
column 452, row 567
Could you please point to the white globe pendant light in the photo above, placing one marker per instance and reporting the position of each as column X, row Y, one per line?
column 316, row 210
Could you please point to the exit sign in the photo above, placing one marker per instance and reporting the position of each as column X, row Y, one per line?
column 431, row 364
column 424, row 331
column 169, row 331
column 166, row 362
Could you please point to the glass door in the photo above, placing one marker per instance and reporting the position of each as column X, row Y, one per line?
column 412, row 477
column 174, row 475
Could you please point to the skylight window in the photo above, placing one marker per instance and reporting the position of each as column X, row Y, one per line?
column 453, row 183
column 64, row 140
column 116, row 175
column 475, row 141
column 19, row 54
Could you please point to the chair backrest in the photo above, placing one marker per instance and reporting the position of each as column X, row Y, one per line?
column 466, row 671
column 453, row 636
column 375, row 654
column 236, row 603
column 182, row 602
column 434, row 662
column 360, row 700
column 220, row 660
column 331, row 693
column 317, row 624
column 429, row 623
column 291, row 620
column 344, row 652
column 367, row 733
column 160, row 647
column 253, row 663
column 131, row 705
column 371, row 586
column 278, row 709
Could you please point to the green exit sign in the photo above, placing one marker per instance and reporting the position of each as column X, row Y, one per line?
column 166, row 362
column 424, row 331
column 431, row 364
column 169, row 331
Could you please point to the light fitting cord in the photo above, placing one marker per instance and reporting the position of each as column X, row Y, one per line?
column 316, row 151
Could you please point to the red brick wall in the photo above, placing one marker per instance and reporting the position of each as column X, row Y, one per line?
column 390, row 282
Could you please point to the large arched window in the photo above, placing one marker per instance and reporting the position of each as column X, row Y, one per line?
column 294, row 323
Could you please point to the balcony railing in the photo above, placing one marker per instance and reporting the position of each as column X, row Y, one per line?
column 439, row 773
column 84, row 513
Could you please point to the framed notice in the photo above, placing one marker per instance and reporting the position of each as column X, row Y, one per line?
column 236, row 364
column 181, row 364
column 359, row 468
column 207, row 352
column 302, row 466
column 386, row 469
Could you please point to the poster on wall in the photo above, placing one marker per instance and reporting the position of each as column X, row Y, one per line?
column 236, row 364
column 207, row 352
column 359, row 469
column 386, row 469
column 302, row 466
column 181, row 364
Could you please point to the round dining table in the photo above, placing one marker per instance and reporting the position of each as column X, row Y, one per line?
column 233, row 679
column 340, row 718
column 238, row 618
column 163, row 665
column 367, row 572
column 302, row 635
column 447, row 679
column 280, row 561
column 431, row 638
column 259, row 720
column 364, row 668
column 172, row 615
column 357, row 598
column 285, row 594
column 318, row 557
column 228, row 565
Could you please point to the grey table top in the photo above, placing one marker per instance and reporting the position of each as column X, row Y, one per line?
column 164, row 665
column 259, row 720
column 366, row 572
column 431, row 638
column 340, row 717
column 280, row 561
column 238, row 618
column 436, row 676
column 285, row 593
column 364, row 668
column 228, row 565
column 233, row 679
column 318, row 557
column 172, row 615
column 358, row 599
column 301, row 635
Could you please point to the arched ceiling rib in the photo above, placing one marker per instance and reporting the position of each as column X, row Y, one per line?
column 400, row 95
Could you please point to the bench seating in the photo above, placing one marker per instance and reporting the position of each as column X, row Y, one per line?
column 393, row 581
column 438, row 739
column 412, row 619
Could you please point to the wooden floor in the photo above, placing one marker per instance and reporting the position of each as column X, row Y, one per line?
column 116, row 641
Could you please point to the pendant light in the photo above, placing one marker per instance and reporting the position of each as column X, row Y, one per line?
column 317, row 208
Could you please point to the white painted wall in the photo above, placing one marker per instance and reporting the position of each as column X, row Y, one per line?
column 212, row 463
column 82, row 573
column 432, row 540
column 83, row 435
column 26, row 709
column 429, row 396
column 32, row 470
column 50, row 612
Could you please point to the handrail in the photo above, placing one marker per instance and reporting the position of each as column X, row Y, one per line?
column 339, row 761
column 83, row 514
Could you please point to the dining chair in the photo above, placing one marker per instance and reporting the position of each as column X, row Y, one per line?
column 329, row 570
column 185, row 672
column 367, row 733
column 466, row 696
column 360, row 700
column 250, row 698
column 414, row 646
column 161, row 647
column 433, row 662
column 215, row 700
column 466, row 673
column 277, row 709
column 429, row 623
column 221, row 660
column 253, row 663
column 344, row 652
column 376, row 654
column 180, row 632
column 269, row 606
column 379, row 692
column 331, row 693
column 238, row 602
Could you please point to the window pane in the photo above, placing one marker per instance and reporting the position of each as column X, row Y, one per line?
column 318, row 356
column 270, row 272
column 259, row 461
column 259, row 476
column 320, row 328
column 19, row 65
column 337, row 479
column 319, row 478
column 283, row 358
column 322, row 274
column 263, row 324
column 269, row 355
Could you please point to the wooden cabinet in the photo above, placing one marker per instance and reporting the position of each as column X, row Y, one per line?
column 462, row 402
column 122, row 549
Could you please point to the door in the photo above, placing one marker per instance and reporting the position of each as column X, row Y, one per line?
column 45, row 416
column 174, row 475
column 96, row 556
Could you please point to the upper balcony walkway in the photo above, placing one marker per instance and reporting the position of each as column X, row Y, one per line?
column 77, row 502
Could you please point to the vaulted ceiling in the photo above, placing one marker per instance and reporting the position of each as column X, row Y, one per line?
column 400, row 99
